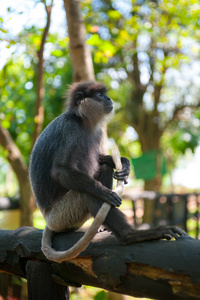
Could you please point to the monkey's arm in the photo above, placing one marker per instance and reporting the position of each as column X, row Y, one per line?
column 73, row 179
column 119, row 175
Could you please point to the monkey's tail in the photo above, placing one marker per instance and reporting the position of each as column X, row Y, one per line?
column 82, row 244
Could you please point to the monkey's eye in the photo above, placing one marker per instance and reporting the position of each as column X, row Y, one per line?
column 99, row 94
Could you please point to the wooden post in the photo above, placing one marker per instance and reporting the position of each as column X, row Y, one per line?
column 41, row 285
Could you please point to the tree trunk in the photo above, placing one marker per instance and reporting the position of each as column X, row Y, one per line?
column 80, row 53
column 41, row 284
column 150, row 140
column 16, row 161
column 39, row 113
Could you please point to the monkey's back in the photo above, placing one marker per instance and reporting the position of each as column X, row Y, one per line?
column 61, row 142
column 42, row 157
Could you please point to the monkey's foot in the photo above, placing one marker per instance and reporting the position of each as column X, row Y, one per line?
column 161, row 232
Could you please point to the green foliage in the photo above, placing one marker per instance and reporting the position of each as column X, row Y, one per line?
column 183, row 140
column 154, row 40
column 163, row 40
column 100, row 296
column 179, row 137
column 2, row 29
column 18, row 84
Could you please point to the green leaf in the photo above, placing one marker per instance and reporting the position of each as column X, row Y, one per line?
column 100, row 296
column 5, row 124
column 3, row 30
column 114, row 14
column 57, row 53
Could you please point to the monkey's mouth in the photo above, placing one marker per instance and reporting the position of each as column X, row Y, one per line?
column 108, row 108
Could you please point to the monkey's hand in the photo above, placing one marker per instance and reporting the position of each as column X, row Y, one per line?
column 124, row 173
column 112, row 198
column 119, row 175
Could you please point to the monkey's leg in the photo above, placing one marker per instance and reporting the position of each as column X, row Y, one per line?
column 71, row 211
column 105, row 176
column 117, row 222
column 125, row 233
column 67, row 214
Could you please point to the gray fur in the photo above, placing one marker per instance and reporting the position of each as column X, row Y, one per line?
column 71, row 179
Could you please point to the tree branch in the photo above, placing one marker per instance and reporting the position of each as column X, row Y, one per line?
column 14, row 155
column 39, row 112
column 19, row 167
column 156, row 269
column 177, row 110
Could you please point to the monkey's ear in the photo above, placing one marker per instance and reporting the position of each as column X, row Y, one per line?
column 79, row 96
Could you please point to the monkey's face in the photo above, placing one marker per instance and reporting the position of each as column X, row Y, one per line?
column 95, row 107
column 106, row 102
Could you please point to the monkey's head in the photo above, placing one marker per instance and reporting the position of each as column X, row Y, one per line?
column 89, row 101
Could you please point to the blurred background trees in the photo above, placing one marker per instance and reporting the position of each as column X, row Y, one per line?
column 149, row 48
column 146, row 52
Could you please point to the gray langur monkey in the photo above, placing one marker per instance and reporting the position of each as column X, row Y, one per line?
column 81, row 245
column 71, row 178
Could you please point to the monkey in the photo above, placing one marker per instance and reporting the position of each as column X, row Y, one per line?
column 70, row 176
column 82, row 244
